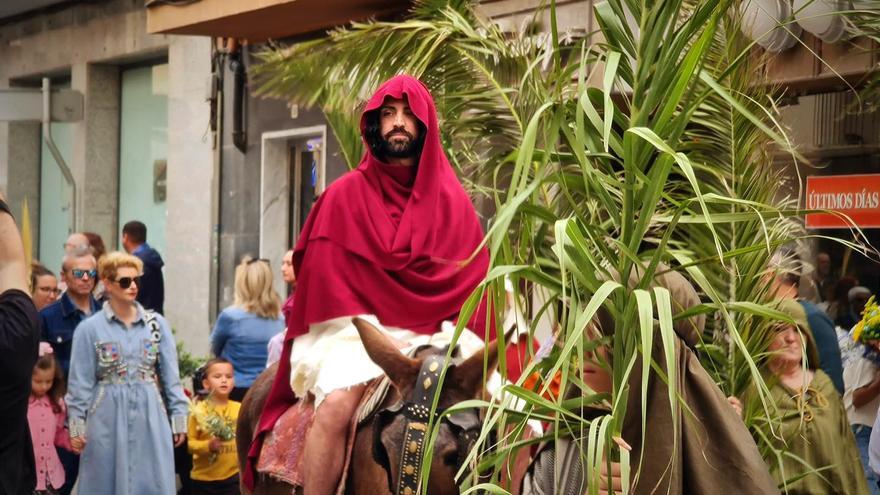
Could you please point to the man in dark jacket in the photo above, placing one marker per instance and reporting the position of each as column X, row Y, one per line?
column 59, row 320
column 19, row 337
column 151, row 293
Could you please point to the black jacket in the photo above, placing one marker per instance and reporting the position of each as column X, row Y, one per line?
column 19, row 340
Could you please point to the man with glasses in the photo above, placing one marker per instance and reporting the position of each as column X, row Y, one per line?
column 59, row 319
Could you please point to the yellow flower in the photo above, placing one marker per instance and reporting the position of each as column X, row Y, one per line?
column 857, row 331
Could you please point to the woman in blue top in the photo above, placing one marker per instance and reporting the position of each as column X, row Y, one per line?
column 242, row 332
column 124, row 398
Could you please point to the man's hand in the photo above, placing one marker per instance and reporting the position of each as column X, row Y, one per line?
column 179, row 438
column 78, row 444
column 612, row 476
column 215, row 444
column 615, row 479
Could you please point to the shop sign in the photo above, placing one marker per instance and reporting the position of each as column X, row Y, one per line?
column 857, row 196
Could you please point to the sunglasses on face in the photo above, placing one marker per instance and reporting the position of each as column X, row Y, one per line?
column 82, row 273
column 49, row 290
column 125, row 282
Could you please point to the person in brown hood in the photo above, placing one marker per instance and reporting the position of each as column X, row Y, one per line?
column 702, row 448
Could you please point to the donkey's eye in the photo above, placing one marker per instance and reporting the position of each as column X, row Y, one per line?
column 451, row 459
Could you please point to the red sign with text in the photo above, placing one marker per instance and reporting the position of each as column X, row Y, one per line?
column 857, row 196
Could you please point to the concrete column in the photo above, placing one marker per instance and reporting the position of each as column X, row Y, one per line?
column 23, row 162
column 95, row 160
column 190, row 174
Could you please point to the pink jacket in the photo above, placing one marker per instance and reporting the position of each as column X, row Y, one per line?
column 47, row 431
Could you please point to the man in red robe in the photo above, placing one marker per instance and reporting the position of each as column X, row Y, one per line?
column 394, row 238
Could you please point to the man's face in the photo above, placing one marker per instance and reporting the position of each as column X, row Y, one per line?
column 80, row 275
column 126, row 243
column 399, row 128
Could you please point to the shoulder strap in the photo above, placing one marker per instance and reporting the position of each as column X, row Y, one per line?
column 155, row 336
column 153, row 323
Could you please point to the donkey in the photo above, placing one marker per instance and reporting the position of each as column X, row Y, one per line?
column 391, row 436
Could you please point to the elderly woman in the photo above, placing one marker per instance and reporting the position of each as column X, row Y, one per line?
column 813, row 427
column 243, row 330
column 123, row 386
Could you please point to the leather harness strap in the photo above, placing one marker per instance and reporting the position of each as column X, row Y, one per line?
column 418, row 411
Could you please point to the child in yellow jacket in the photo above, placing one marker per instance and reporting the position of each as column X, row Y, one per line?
column 212, row 433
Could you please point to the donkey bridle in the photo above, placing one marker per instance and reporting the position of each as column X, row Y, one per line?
column 418, row 414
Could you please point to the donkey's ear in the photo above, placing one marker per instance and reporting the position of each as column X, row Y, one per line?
column 402, row 370
column 468, row 376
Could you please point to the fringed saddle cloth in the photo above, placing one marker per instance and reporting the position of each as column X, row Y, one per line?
column 282, row 455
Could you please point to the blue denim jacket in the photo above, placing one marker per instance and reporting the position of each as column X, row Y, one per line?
column 58, row 322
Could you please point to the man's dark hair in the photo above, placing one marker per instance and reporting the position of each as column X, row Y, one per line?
column 136, row 231
column 376, row 142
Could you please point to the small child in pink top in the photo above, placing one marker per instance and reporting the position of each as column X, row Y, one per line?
column 47, row 415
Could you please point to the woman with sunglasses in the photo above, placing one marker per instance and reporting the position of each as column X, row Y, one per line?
column 243, row 330
column 126, row 406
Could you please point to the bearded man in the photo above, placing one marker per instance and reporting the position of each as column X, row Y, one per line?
column 391, row 240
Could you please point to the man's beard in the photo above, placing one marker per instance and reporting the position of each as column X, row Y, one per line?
column 399, row 148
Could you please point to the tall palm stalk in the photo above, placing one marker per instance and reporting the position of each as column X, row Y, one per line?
column 620, row 151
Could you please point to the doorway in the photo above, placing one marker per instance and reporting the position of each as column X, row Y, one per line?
column 292, row 176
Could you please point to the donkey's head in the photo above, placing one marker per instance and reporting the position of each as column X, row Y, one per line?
column 400, row 434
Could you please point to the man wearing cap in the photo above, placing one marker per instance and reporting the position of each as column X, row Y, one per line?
column 858, row 296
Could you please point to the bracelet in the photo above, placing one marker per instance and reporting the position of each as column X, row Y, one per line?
column 5, row 207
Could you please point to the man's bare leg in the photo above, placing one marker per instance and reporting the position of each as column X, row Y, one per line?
column 327, row 439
